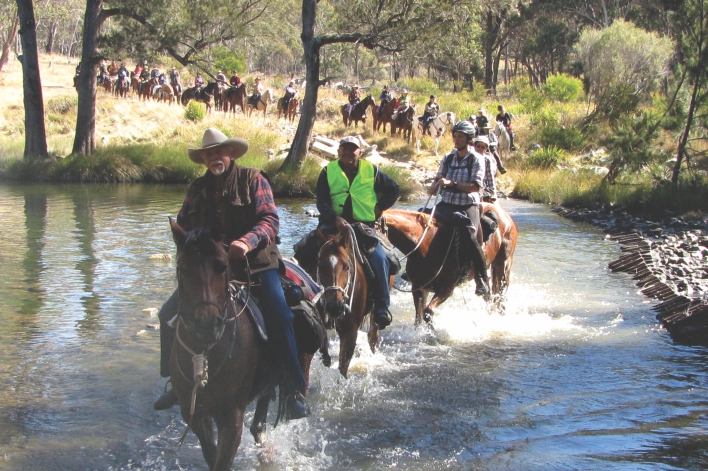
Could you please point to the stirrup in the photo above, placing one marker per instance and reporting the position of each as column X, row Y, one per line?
column 383, row 318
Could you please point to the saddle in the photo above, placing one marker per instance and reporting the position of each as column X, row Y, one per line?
column 489, row 221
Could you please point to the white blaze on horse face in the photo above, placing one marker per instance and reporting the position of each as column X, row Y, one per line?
column 333, row 261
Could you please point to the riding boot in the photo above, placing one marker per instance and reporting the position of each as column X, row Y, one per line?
column 296, row 407
column 167, row 336
column 479, row 263
column 166, row 401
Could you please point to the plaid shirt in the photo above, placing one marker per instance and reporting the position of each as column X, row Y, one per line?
column 490, row 184
column 459, row 171
column 265, row 230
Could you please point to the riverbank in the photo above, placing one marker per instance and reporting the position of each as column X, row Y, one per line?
column 668, row 258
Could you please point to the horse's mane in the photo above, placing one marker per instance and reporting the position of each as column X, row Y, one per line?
column 200, row 240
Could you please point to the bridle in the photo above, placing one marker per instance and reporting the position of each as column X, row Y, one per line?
column 348, row 289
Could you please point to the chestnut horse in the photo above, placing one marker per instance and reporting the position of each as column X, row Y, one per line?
column 386, row 114
column 219, row 362
column 433, row 262
column 290, row 113
column 358, row 113
column 346, row 299
column 404, row 122
column 233, row 97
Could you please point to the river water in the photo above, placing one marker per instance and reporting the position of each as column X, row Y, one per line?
column 575, row 374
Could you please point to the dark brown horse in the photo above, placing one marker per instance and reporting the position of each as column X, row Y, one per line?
column 145, row 88
column 385, row 117
column 201, row 95
column 404, row 122
column 358, row 113
column 212, row 325
column 233, row 97
column 290, row 113
column 346, row 299
column 433, row 262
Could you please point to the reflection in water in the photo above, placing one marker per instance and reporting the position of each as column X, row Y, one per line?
column 575, row 374
column 86, row 265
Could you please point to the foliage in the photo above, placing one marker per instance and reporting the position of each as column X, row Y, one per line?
column 405, row 180
column 545, row 158
column 62, row 104
column 569, row 138
column 562, row 87
column 195, row 111
column 229, row 60
column 532, row 100
column 622, row 63
column 632, row 144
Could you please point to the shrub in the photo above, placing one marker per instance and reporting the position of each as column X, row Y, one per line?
column 420, row 86
column 532, row 100
column 568, row 138
column 195, row 111
column 546, row 158
column 62, row 104
column 562, row 87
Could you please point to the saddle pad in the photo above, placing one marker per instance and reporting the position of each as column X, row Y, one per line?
column 297, row 274
column 254, row 311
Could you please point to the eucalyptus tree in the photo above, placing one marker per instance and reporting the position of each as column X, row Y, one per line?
column 691, row 21
column 373, row 24
column 184, row 29
column 9, row 22
column 35, row 134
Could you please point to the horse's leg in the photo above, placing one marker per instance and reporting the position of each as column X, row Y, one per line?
column 305, row 360
column 373, row 334
column 347, row 330
column 437, row 144
column 258, row 426
column 230, row 426
column 419, row 298
column 203, row 428
column 439, row 297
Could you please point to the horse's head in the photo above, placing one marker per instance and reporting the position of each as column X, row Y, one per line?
column 336, row 267
column 203, row 282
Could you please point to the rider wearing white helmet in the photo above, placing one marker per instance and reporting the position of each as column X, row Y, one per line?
column 460, row 179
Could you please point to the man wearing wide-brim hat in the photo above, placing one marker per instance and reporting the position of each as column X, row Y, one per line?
column 236, row 204
column 353, row 190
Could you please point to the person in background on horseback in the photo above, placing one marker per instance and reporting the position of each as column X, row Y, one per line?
column 493, row 142
column 138, row 70
column 112, row 69
column 235, row 80
column 354, row 98
column 102, row 71
column 482, row 119
column 460, row 179
column 385, row 98
column 257, row 92
column 198, row 83
column 505, row 118
column 403, row 104
column 481, row 146
column 221, row 79
column 175, row 80
column 347, row 190
column 431, row 112
column 290, row 93
column 237, row 203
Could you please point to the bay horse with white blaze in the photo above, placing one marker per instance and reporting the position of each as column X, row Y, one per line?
column 219, row 362
column 433, row 262
column 358, row 112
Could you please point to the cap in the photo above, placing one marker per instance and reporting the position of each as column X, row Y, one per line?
column 350, row 140
column 482, row 139
column 432, row 96
column 404, row 91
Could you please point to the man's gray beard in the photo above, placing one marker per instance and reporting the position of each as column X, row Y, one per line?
column 218, row 172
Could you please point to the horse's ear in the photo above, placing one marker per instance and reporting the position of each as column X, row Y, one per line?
column 178, row 234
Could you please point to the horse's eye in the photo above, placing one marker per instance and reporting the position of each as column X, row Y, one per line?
column 346, row 267
column 219, row 267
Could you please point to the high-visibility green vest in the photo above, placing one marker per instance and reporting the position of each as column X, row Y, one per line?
column 361, row 190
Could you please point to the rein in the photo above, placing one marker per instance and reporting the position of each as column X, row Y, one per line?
column 427, row 227
column 350, row 286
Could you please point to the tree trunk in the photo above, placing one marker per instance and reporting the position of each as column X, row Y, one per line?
column 311, row 46
column 489, row 38
column 49, row 48
column 681, row 151
column 85, row 136
column 35, row 134
column 7, row 43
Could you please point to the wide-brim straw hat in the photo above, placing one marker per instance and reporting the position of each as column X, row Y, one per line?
column 215, row 138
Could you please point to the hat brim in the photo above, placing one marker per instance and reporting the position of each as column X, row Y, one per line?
column 238, row 146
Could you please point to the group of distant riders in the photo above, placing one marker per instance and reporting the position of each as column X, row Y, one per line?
column 156, row 78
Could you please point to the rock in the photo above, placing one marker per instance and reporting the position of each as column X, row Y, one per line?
column 324, row 150
column 312, row 213
column 150, row 311
column 153, row 326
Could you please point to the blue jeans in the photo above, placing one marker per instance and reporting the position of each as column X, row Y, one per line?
column 379, row 264
column 278, row 319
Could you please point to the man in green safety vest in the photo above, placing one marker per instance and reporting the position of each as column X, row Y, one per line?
column 347, row 192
